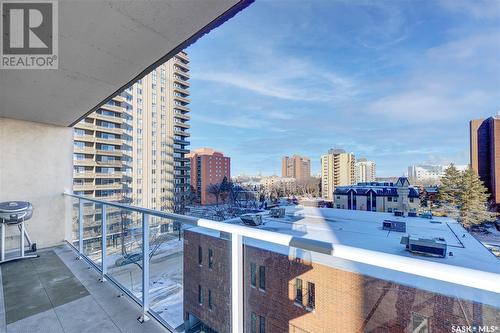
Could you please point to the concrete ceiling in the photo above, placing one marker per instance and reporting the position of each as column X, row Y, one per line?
column 103, row 47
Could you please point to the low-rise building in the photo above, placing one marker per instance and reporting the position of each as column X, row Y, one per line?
column 291, row 290
column 430, row 173
column 378, row 197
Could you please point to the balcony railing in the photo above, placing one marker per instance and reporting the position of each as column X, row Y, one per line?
column 155, row 258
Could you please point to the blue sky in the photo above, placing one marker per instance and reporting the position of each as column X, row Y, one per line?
column 393, row 81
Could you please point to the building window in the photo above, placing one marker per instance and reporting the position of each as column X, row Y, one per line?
column 395, row 199
column 411, row 199
column 419, row 323
column 253, row 322
column 200, row 295
column 210, row 259
column 210, row 306
column 262, row 277
column 389, row 210
column 262, row 324
column 200, row 256
column 298, row 291
column 311, row 295
column 253, row 274
column 389, row 199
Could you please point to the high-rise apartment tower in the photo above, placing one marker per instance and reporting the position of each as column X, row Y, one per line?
column 298, row 167
column 337, row 169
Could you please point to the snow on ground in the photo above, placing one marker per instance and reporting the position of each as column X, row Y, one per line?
column 490, row 239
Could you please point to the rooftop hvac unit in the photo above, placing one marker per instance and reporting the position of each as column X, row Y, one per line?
column 251, row 219
column 412, row 214
column 398, row 213
column 398, row 226
column 430, row 247
column 277, row 212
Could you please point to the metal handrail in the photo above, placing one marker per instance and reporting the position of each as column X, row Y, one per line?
column 274, row 237
column 481, row 280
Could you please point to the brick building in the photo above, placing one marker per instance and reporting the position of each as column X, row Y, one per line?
column 208, row 166
column 290, row 290
column 485, row 153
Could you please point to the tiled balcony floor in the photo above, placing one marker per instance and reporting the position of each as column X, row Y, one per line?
column 57, row 293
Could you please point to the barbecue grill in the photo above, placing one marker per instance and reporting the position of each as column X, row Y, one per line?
column 16, row 213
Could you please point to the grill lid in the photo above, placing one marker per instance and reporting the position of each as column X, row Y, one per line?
column 14, row 206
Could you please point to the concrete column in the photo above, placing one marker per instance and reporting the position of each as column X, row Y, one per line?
column 36, row 165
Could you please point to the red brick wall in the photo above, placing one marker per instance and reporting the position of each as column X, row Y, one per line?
column 217, row 279
column 345, row 301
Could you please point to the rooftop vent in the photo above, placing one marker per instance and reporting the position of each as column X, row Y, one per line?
column 251, row 219
column 398, row 226
column 277, row 212
column 430, row 247
column 398, row 213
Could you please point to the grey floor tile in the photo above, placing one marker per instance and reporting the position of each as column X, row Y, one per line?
column 84, row 315
column 46, row 322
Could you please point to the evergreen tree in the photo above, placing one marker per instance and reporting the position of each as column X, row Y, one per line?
column 449, row 191
column 473, row 200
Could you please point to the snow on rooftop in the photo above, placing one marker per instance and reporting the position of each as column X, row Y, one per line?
column 363, row 229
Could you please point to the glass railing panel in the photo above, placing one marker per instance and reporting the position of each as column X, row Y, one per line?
column 166, row 274
column 124, row 249
column 293, row 290
column 75, row 223
column 92, row 231
column 207, row 280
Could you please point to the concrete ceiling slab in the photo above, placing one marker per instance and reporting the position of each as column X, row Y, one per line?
column 104, row 46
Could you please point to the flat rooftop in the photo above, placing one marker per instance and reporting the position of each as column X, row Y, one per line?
column 363, row 230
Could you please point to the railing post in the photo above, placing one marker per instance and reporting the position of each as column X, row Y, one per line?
column 80, row 228
column 237, row 282
column 145, row 268
column 103, row 244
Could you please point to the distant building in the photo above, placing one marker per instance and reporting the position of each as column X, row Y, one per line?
column 365, row 171
column 271, row 183
column 378, row 197
column 298, row 167
column 337, row 169
column 427, row 172
column 208, row 166
column 485, row 153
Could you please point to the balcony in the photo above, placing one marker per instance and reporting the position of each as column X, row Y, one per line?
column 180, row 80
column 367, row 284
column 181, row 133
column 182, row 99
column 84, row 162
column 184, row 116
column 182, row 124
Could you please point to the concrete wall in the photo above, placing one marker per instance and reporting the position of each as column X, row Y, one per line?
column 36, row 165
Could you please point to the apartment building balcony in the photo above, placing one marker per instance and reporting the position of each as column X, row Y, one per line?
column 182, row 107
column 182, row 142
column 84, row 137
column 85, row 125
column 113, row 130
column 85, row 150
column 180, row 80
column 179, row 71
column 113, row 186
column 183, row 56
column 182, row 133
column 182, row 99
column 84, row 162
column 116, row 142
column 87, row 174
column 181, row 150
column 88, row 186
column 119, row 98
column 184, row 65
column 115, row 163
column 184, row 116
column 112, row 119
column 182, row 90
column 114, row 108
column 182, row 124
column 116, row 153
